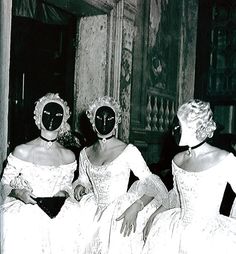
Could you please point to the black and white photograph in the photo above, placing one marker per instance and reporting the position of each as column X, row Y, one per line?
column 117, row 127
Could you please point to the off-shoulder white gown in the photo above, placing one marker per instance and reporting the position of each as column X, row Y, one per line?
column 196, row 226
column 108, row 199
column 25, row 228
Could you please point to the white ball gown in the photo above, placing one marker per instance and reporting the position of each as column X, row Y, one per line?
column 196, row 226
column 25, row 228
column 233, row 210
column 108, row 199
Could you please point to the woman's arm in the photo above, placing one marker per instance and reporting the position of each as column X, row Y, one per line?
column 148, row 187
column 149, row 223
column 82, row 185
column 14, row 185
column 129, row 216
column 65, row 188
column 23, row 195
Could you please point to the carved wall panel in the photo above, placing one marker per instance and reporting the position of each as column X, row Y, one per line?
column 163, row 70
column 155, row 95
column 104, row 60
column 126, row 77
column 90, row 63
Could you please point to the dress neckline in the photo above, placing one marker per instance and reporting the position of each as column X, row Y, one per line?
column 39, row 165
column 202, row 171
column 106, row 164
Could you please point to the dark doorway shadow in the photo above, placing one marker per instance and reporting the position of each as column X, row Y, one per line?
column 42, row 61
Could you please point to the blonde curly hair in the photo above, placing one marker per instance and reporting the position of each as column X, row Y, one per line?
column 198, row 116
column 52, row 97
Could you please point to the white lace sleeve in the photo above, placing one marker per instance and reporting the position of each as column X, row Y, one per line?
column 148, row 183
column 10, row 173
column 66, row 184
column 83, row 178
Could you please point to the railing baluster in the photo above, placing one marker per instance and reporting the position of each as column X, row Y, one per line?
column 166, row 115
column 155, row 112
column 161, row 120
column 148, row 111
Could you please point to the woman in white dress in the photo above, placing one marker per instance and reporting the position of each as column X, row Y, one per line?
column 200, row 176
column 111, row 220
column 39, row 168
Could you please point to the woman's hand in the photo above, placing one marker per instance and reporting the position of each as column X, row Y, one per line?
column 79, row 192
column 130, row 219
column 62, row 193
column 24, row 195
column 149, row 223
column 148, row 226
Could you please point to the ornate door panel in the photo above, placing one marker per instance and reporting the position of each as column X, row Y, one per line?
column 154, row 90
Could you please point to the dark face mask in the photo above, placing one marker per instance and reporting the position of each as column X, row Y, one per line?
column 176, row 130
column 52, row 116
column 105, row 120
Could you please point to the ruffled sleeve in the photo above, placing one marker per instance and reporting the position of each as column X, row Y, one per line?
column 83, row 178
column 10, row 173
column 148, row 183
column 66, row 183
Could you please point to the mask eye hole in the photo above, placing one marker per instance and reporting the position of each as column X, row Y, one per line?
column 111, row 118
column 98, row 117
column 46, row 112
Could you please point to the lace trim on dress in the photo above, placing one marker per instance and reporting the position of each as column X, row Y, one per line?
column 20, row 183
column 83, row 177
column 152, row 186
column 13, row 178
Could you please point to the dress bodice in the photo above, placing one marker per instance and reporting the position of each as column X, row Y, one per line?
column 44, row 180
column 200, row 193
column 110, row 181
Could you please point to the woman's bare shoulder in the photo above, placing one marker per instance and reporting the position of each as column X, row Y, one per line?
column 22, row 151
column 178, row 158
column 67, row 155
column 217, row 153
column 213, row 155
column 120, row 144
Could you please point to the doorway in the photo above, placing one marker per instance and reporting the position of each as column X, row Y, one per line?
column 42, row 61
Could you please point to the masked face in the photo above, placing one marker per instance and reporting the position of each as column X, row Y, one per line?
column 187, row 134
column 52, row 116
column 105, row 120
